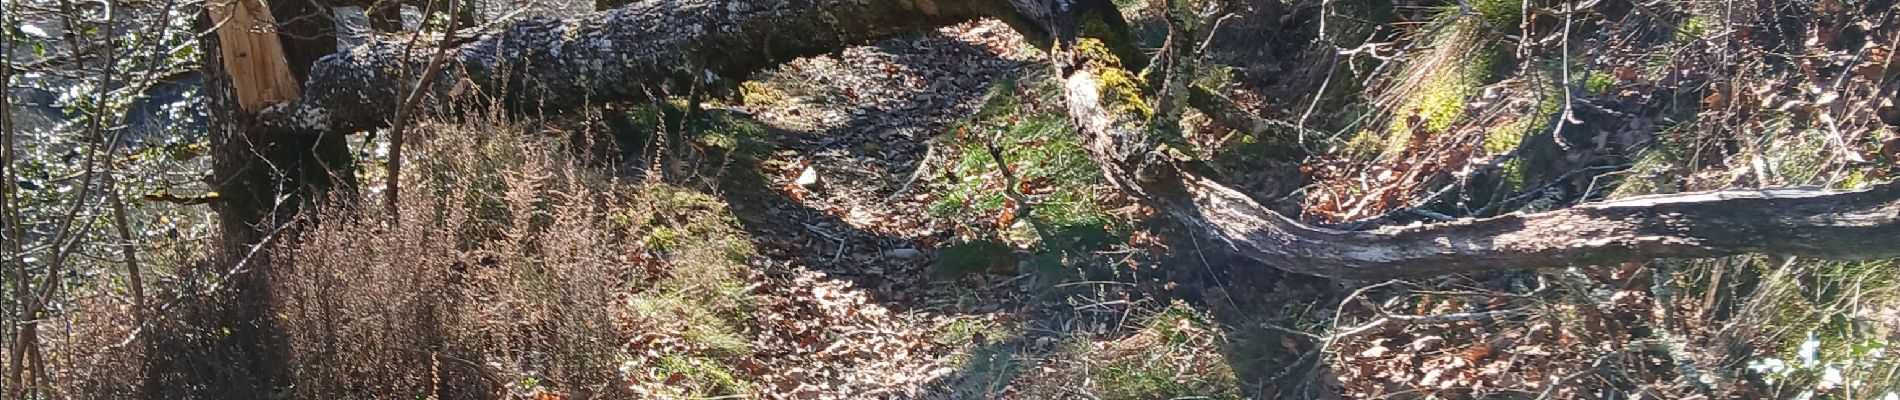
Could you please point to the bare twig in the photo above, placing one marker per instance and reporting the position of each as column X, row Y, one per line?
column 392, row 186
column 834, row 238
column 1023, row 203
column 923, row 165
column 1426, row 319
column 1557, row 131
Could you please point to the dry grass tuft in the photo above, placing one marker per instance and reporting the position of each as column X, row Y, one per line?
column 515, row 270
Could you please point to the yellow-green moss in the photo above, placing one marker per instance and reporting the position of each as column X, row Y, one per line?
column 1444, row 102
column 1500, row 13
column 1692, row 28
column 1513, row 135
column 1599, row 83
column 1096, row 55
column 1120, row 90
column 1510, row 136
column 1095, row 28
column 760, row 94
column 1860, row 179
column 1440, row 103
column 1440, row 86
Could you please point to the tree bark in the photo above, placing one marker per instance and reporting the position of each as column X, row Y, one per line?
column 647, row 49
column 1808, row 222
column 552, row 66
column 221, row 343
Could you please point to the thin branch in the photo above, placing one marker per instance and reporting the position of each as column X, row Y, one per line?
column 1557, row 132
column 393, row 185
column 128, row 248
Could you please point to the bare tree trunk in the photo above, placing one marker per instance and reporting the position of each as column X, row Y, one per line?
column 221, row 344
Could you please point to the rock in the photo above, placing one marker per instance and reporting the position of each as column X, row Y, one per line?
column 352, row 26
column 808, row 178
column 1888, row 112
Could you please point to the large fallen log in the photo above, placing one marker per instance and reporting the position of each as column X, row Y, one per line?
column 638, row 51
column 1808, row 222
column 1828, row 224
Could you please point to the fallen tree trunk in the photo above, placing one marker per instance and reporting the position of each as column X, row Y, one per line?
column 638, row 51
column 644, row 50
column 1809, row 222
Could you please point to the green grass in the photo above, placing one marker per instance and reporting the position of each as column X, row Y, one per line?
column 1500, row 14
column 700, row 292
column 703, row 246
column 1808, row 315
column 987, row 369
column 959, row 259
column 988, row 355
column 1037, row 143
column 1648, row 174
column 638, row 128
column 699, row 376
column 967, row 329
column 1794, row 154
column 1068, row 224
column 1175, row 354
column 1819, row 315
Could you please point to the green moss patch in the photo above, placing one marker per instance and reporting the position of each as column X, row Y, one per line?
column 1037, row 143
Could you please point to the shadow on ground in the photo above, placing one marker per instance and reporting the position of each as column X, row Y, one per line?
column 1011, row 325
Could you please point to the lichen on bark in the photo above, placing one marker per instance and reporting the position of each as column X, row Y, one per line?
column 643, row 50
column 1121, row 90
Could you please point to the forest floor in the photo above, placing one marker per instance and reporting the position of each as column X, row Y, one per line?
column 895, row 265
column 900, row 265
column 913, row 219
column 890, row 269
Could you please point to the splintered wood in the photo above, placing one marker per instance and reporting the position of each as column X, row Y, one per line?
column 247, row 37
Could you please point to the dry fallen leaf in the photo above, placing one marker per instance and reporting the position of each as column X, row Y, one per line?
column 1477, row 352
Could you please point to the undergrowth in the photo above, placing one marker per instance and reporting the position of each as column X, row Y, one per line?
column 515, row 268
column 1023, row 120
